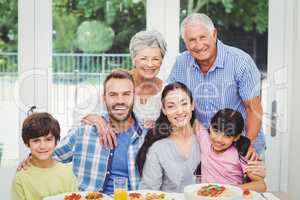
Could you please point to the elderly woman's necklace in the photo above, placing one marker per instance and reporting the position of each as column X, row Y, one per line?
column 143, row 100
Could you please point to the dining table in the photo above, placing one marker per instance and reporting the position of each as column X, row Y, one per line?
column 180, row 196
column 282, row 195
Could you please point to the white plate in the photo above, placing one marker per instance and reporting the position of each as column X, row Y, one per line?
column 190, row 192
column 61, row 196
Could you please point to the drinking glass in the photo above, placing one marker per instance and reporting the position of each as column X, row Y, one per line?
column 120, row 188
column 197, row 178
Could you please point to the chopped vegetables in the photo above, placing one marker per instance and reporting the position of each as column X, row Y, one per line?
column 135, row 196
column 94, row 195
column 211, row 190
column 154, row 196
column 73, row 196
column 246, row 192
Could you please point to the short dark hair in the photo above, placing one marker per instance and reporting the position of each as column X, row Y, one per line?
column 118, row 74
column 38, row 125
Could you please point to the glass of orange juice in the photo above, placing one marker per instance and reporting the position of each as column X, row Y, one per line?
column 120, row 188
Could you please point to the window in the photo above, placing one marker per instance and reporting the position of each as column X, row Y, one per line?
column 90, row 39
column 9, row 114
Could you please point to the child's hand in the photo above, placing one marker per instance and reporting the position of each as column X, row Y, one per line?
column 25, row 164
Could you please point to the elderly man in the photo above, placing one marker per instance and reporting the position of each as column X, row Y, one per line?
column 219, row 76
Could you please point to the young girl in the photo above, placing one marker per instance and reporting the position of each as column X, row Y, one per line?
column 222, row 152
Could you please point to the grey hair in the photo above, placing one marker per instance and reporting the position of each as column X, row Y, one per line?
column 145, row 39
column 197, row 18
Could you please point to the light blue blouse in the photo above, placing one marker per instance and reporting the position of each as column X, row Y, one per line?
column 167, row 169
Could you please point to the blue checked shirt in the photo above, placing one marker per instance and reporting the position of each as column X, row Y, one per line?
column 232, row 79
column 92, row 162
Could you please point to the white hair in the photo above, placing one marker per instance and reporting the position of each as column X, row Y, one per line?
column 197, row 18
column 146, row 39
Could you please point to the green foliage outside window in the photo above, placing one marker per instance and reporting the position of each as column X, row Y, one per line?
column 126, row 17
column 238, row 14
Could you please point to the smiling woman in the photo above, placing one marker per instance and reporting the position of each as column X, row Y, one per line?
column 170, row 154
column 147, row 50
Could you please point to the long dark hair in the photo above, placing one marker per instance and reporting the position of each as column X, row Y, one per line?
column 231, row 123
column 162, row 127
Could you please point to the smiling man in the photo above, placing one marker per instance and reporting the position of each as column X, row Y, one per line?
column 95, row 166
column 219, row 76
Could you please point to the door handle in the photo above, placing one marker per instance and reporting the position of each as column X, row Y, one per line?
column 274, row 117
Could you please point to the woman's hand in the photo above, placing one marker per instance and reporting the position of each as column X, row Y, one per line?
column 107, row 133
column 149, row 124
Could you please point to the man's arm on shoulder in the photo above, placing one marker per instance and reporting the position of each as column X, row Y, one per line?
column 254, row 117
column 65, row 148
column 249, row 84
column 248, row 79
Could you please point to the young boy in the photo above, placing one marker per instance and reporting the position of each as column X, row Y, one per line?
column 45, row 176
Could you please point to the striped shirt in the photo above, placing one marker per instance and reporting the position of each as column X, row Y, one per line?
column 92, row 162
column 233, row 78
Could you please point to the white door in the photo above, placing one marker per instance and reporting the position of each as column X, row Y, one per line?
column 31, row 86
column 275, row 96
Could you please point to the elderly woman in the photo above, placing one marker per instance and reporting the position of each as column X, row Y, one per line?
column 147, row 50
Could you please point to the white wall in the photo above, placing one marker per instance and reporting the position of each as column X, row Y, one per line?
column 294, row 115
column 6, row 174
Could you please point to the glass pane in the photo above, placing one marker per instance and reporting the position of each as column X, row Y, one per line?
column 9, row 137
column 90, row 39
